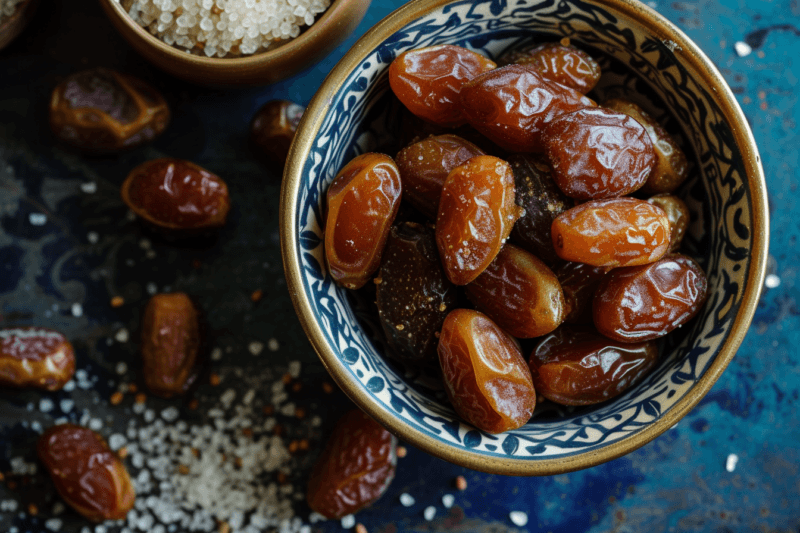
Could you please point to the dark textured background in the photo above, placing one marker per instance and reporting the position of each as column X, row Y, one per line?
column 676, row 483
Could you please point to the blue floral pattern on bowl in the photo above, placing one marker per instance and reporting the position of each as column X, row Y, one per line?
column 362, row 117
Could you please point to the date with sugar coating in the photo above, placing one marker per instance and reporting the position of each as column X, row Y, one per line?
column 413, row 294
column 641, row 303
column 485, row 375
column 576, row 366
column 512, row 105
column 170, row 343
column 520, row 293
column 174, row 194
column 476, row 214
column 362, row 202
column 678, row 215
column 671, row 167
column 35, row 357
column 561, row 63
column 542, row 200
column 424, row 167
column 428, row 80
column 354, row 469
column 598, row 153
column 613, row 232
column 87, row 474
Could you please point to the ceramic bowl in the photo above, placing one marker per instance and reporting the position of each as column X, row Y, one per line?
column 312, row 45
column 13, row 25
column 645, row 58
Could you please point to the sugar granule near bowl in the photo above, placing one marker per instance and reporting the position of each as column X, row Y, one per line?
column 8, row 8
column 224, row 28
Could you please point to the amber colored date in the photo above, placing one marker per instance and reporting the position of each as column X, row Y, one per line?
column 273, row 127
column 613, row 232
column 520, row 293
column 561, row 63
column 87, row 474
column 35, row 357
column 170, row 343
column 362, row 203
column 641, row 303
column 579, row 282
column 542, row 200
column 424, row 167
column 671, row 168
column 485, row 375
column 678, row 215
column 597, row 153
column 428, row 80
column 100, row 111
column 476, row 214
column 512, row 105
column 579, row 367
column 354, row 469
column 413, row 293
column 174, row 194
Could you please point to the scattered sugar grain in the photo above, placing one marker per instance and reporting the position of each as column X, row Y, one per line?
column 170, row 414
column 95, row 424
column 151, row 288
column 294, row 368
column 742, row 49
column 216, row 354
column 53, row 524
column 407, row 500
column 116, row 441
column 730, row 462
column 256, row 347
column 429, row 513
column 122, row 335
column 37, row 219
column 121, row 368
column 77, row 310
column 93, row 237
column 89, row 187
column 348, row 521
column 46, row 405
column 448, row 500
column 274, row 346
column 518, row 518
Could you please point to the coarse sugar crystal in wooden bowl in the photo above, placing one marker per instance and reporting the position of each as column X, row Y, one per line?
column 224, row 28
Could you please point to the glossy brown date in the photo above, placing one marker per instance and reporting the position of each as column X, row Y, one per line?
column 100, row 111
column 597, row 153
column 613, row 232
column 671, row 168
column 273, row 127
column 579, row 282
column 174, row 194
column 362, row 203
column 170, row 343
column 35, row 357
column 428, row 80
column 413, row 293
column 641, row 303
column 87, row 474
column 354, row 469
column 519, row 293
column 513, row 104
column 542, row 200
column 476, row 214
column 579, row 367
column 485, row 375
column 678, row 215
column 424, row 167
column 561, row 63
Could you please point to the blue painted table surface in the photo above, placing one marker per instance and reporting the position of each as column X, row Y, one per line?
column 679, row 482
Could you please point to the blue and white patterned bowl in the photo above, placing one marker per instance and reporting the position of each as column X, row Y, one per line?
column 645, row 58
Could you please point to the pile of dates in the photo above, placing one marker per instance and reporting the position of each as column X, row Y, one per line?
column 557, row 218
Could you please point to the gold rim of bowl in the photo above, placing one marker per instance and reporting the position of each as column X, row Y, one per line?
column 695, row 60
column 312, row 45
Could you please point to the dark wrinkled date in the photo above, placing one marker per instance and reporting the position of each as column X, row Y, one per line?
column 87, row 474
column 35, row 357
column 354, row 469
column 100, row 110
column 273, row 127
column 170, row 343
column 413, row 294
column 174, row 194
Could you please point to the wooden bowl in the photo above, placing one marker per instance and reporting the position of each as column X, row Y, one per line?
column 354, row 111
column 313, row 44
column 14, row 25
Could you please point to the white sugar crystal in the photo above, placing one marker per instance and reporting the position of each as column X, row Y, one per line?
column 407, row 500
column 742, row 48
column 256, row 347
column 448, row 500
column 37, row 219
column 122, row 336
column 122, row 368
column 294, row 369
column 89, row 187
column 95, row 424
column 66, row 405
column 429, row 513
column 772, row 281
column 518, row 518
column 116, row 441
column 77, row 309
column 348, row 521
column 46, row 405
column 93, row 237
column 273, row 345
column 235, row 27
column 170, row 414
column 730, row 463
column 216, row 354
